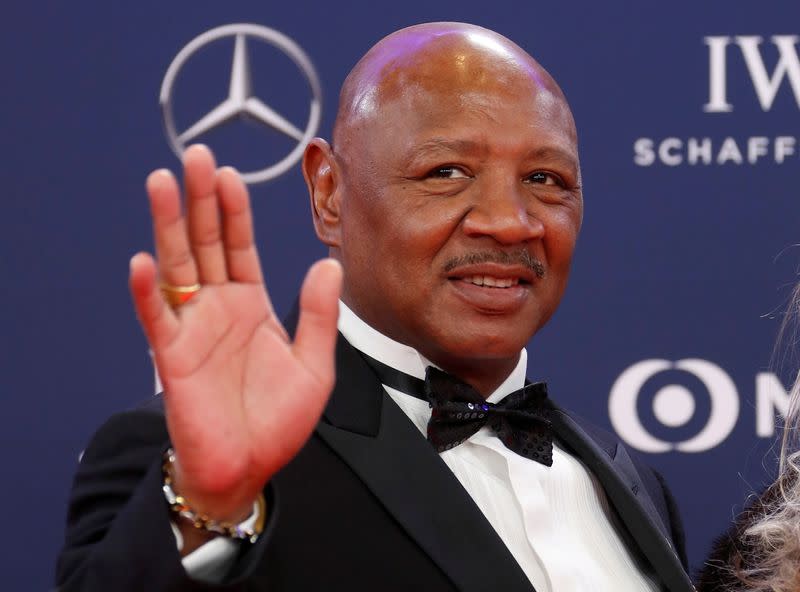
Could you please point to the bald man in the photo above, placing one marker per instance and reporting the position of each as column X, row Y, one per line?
column 451, row 199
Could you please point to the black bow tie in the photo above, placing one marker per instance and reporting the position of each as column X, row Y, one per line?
column 521, row 419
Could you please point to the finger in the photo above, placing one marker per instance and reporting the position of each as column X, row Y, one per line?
column 202, row 212
column 315, row 339
column 241, row 254
column 175, row 261
column 157, row 319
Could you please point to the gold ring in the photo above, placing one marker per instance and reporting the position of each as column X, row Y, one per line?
column 178, row 295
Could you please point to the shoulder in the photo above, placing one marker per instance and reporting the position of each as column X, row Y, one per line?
column 615, row 449
column 635, row 469
column 141, row 428
column 117, row 457
column 121, row 458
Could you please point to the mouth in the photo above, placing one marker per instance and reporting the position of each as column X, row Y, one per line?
column 493, row 275
column 492, row 288
column 489, row 281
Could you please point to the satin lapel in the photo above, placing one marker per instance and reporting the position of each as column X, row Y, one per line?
column 394, row 461
column 614, row 469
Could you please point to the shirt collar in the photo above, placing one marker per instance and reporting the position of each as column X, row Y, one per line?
column 406, row 359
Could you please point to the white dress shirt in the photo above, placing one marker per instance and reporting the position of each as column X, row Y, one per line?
column 555, row 521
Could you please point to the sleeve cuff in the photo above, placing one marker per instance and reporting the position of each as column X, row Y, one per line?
column 211, row 562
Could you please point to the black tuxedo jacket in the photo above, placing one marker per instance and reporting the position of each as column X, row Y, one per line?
column 366, row 505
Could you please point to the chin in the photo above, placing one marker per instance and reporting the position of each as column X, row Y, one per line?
column 482, row 345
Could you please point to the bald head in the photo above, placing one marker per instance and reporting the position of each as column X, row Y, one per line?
column 437, row 57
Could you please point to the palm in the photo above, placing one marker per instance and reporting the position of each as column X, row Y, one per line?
column 240, row 398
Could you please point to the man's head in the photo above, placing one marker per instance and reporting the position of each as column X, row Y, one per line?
column 454, row 163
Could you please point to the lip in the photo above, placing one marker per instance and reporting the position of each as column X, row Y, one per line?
column 492, row 300
column 498, row 270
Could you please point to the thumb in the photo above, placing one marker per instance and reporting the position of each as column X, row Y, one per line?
column 315, row 339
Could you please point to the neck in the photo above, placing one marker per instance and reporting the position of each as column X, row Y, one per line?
column 482, row 375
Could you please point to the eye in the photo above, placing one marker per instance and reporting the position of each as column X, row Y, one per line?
column 447, row 172
column 544, row 178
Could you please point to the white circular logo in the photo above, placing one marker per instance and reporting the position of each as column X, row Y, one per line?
column 673, row 405
column 241, row 102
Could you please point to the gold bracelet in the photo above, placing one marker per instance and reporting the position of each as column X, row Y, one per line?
column 181, row 507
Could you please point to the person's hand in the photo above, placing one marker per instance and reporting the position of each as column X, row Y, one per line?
column 241, row 399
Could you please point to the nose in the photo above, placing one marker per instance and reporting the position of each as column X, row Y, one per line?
column 505, row 214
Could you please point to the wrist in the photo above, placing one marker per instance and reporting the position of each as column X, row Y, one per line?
column 246, row 523
column 221, row 505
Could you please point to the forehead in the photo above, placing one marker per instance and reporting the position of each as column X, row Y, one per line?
column 513, row 117
column 448, row 101
column 418, row 89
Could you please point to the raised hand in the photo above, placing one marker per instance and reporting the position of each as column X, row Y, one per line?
column 240, row 398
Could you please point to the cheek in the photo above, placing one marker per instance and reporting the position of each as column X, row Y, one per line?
column 415, row 227
column 386, row 245
column 398, row 233
column 560, row 237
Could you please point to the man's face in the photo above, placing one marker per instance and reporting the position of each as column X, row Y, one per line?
column 460, row 213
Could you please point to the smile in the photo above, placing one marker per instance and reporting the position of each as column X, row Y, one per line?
column 491, row 282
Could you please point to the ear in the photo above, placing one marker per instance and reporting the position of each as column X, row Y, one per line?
column 321, row 173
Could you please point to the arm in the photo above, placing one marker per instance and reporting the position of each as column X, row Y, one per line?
column 116, row 512
column 240, row 399
column 118, row 535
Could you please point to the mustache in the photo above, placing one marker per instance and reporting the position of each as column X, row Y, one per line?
column 521, row 257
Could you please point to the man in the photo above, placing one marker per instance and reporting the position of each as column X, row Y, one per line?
column 451, row 199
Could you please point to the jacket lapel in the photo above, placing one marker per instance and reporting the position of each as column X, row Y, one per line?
column 613, row 467
column 380, row 444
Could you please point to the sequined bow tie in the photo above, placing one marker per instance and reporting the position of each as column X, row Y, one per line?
column 521, row 419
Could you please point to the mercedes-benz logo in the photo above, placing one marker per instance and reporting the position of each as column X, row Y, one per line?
column 241, row 101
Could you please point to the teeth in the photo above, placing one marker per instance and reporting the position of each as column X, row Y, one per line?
column 492, row 282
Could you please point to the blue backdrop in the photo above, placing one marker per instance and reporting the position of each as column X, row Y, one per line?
column 688, row 119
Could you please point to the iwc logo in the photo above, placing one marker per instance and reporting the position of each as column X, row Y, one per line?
column 241, row 101
column 772, row 89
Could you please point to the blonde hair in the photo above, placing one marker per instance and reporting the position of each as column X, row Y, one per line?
column 772, row 541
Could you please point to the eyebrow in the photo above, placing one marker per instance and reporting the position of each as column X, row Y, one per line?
column 548, row 153
column 448, row 145
column 552, row 153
